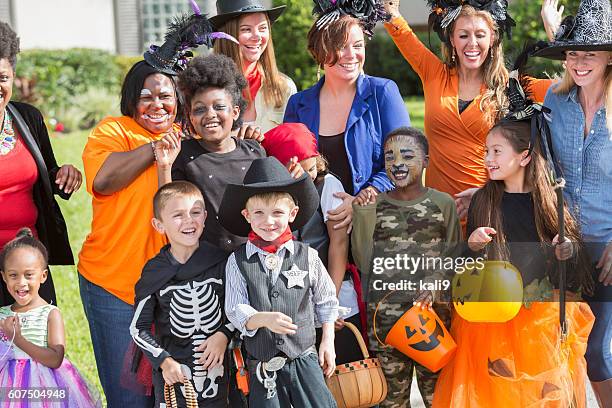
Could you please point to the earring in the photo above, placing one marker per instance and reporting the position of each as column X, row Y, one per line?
column 453, row 56
column 318, row 72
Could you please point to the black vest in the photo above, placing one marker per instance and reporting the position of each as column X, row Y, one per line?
column 295, row 302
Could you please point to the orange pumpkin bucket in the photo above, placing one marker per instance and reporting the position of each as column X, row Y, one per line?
column 358, row 384
column 421, row 335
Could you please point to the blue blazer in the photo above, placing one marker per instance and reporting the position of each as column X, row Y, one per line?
column 378, row 108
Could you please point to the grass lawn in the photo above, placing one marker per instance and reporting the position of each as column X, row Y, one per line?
column 77, row 212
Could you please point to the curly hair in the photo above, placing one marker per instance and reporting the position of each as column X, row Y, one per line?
column 9, row 44
column 213, row 71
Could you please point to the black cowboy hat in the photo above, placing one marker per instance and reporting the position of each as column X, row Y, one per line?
column 266, row 175
column 590, row 30
column 229, row 9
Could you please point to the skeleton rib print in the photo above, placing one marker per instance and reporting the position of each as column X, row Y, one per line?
column 194, row 308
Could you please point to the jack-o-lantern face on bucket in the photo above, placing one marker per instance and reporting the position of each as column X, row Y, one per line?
column 421, row 335
column 426, row 335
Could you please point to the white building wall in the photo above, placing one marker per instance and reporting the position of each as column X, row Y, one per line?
column 65, row 23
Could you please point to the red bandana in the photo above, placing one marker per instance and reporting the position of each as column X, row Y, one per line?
column 254, row 80
column 270, row 246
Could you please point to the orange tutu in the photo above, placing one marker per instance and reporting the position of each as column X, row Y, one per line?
column 520, row 363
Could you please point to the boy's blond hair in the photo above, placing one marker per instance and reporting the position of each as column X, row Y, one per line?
column 272, row 198
column 173, row 190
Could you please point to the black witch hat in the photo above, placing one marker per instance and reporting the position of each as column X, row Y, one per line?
column 445, row 12
column 184, row 33
column 368, row 12
column 521, row 105
column 590, row 30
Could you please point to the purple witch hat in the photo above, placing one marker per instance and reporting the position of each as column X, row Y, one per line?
column 184, row 33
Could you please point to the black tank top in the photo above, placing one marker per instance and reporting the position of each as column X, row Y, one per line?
column 334, row 150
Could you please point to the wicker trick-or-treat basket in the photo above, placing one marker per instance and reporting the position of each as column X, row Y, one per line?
column 358, row 384
column 190, row 396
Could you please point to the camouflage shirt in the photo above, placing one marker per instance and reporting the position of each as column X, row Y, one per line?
column 424, row 230
column 417, row 232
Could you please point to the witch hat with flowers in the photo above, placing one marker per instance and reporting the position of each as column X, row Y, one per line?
column 368, row 12
column 184, row 33
column 445, row 12
column 589, row 30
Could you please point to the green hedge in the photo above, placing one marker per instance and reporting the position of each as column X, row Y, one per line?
column 52, row 79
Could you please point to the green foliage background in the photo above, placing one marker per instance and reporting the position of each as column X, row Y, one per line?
column 290, row 42
column 57, row 76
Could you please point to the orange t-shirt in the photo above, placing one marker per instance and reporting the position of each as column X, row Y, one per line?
column 456, row 141
column 122, row 238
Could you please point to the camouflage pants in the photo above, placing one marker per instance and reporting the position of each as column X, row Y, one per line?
column 397, row 367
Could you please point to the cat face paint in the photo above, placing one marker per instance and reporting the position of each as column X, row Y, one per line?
column 404, row 160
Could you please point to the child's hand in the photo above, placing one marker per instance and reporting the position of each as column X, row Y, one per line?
column 342, row 213
column 251, row 132
column 213, row 350
column 171, row 371
column 277, row 322
column 338, row 324
column 366, row 196
column 327, row 356
column 480, row 238
column 424, row 299
column 10, row 327
column 563, row 250
column 295, row 168
column 167, row 149
column 462, row 201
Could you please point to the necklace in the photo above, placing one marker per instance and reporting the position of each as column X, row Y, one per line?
column 7, row 135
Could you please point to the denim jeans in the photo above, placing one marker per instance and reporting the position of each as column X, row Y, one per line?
column 109, row 320
column 300, row 383
column 599, row 353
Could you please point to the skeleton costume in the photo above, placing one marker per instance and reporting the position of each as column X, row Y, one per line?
column 185, row 302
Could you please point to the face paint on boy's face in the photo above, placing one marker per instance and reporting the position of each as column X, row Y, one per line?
column 404, row 160
column 213, row 114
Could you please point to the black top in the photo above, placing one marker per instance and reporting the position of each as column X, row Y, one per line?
column 463, row 104
column 212, row 172
column 334, row 150
column 526, row 250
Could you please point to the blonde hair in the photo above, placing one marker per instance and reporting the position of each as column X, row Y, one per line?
column 175, row 189
column 272, row 198
column 567, row 83
column 494, row 100
column 274, row 87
